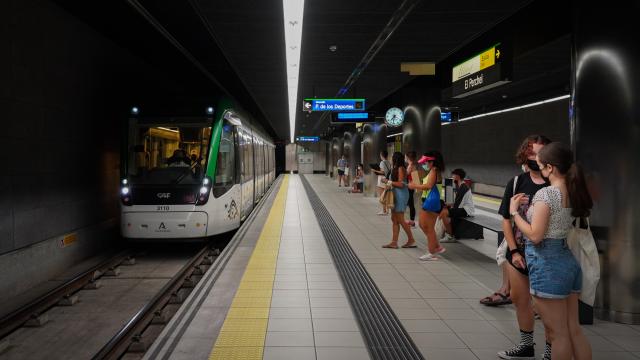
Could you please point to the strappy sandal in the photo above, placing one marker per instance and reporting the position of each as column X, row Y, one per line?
column 502, row 300
column 410, row 245
column 390, row 246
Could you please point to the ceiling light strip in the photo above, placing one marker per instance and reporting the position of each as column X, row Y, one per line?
column 516, row 108
column 293, row 13
column 393, row 135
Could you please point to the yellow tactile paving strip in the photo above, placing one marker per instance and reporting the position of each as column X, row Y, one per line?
column 245, row 327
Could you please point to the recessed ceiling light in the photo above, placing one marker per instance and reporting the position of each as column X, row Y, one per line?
column 293, row 13
column 333, row 48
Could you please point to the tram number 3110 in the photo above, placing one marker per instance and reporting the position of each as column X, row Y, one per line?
column 163, row 208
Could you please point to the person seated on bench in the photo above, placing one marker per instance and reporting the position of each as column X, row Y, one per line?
column 358, row 182
column 462, row 206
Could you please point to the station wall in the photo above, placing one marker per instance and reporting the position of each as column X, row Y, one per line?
column 63, row 89
column 485, row 147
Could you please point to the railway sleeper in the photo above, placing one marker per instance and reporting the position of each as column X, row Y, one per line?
column 68, row 300
column 93, row 285
column 129, row 261
column 114, row 271
column 141, row 343
column 37, row 320
column 179, row 296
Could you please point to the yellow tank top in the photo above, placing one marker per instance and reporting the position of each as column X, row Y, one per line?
column 426, row 192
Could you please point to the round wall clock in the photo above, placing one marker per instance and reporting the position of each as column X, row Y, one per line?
column 394, row 117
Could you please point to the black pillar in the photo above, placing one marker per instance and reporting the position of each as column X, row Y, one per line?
column 605, row 134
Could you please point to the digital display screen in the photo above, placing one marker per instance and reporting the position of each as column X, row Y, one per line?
column 445, row 116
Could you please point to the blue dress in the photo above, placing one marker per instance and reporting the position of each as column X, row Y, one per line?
column 400, row 198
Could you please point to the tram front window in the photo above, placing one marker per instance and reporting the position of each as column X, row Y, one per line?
column 168, row 155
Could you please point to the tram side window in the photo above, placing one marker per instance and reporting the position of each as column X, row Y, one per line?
column 225, row 166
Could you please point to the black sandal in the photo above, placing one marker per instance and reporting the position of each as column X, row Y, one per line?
column 503, row 300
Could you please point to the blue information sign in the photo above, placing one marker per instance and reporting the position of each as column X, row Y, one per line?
column 308, row 138
column 333, row 105
column 353, row 117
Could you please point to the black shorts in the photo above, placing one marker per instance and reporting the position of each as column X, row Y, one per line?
column 456, row 213
column 360, row 186
column 340, row 172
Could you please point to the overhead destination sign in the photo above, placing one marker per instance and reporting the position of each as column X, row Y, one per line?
column 308, row 138
column 333, row 105
column 481, row 72
column 353, row 117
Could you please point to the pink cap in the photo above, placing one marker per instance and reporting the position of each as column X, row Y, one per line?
column 425, row 158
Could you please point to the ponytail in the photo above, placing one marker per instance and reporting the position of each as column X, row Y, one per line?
column 579, row 197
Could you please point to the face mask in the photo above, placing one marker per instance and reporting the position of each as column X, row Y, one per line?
column 533, row 165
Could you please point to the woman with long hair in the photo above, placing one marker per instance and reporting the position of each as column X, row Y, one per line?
column 434, row 164
column 400, row 197
column 411, row 158
column 555, row 276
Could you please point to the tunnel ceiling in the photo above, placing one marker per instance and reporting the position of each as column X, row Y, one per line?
column 252, row 37
column 239, row 47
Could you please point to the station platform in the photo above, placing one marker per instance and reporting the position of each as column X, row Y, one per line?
column 306, row 278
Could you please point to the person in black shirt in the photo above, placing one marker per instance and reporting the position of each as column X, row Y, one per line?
column 515, row 281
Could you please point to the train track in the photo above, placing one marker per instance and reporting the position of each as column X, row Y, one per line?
column 21, row 330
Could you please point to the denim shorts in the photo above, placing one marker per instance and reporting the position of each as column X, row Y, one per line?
column 553, row 271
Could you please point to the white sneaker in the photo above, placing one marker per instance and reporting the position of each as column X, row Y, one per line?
column 428, row 257
column 447, row 239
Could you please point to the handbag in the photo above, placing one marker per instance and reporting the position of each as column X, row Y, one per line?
column 583, row 246
column 501, row 252
column 432, row 201
column 439, row 227
column 386, row 198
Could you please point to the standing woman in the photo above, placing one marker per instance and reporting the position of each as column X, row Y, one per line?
column 400, row 197
column 411, row 167
column 433, row 163
column 555, row 276
column 383, row 173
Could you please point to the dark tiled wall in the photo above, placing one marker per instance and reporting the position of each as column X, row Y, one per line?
column 62, row 91
column 486, row 147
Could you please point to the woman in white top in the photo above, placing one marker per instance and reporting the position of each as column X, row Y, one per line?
column 384, row 172
column 554, row 274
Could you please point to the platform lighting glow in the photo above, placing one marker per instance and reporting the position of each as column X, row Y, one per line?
column 293, row 13
column 517, row 107
column 204, row 190
column 209, row 110
column 392, row 135
column 167, row 129
column 125, row 181
column 125, row 190
column 206, row 181
column 135, row 110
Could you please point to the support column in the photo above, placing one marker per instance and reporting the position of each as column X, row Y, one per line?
column 605, row 133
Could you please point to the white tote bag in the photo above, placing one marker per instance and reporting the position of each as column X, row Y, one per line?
column 501, row 253
column 439, row 227
column 584, row 249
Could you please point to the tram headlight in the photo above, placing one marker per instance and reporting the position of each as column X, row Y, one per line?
column 205, row 189
column 125, row 193
column 125, row 182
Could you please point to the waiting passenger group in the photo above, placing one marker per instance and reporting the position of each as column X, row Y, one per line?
column 540, row 206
